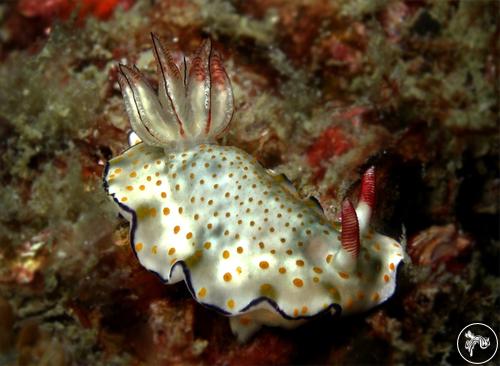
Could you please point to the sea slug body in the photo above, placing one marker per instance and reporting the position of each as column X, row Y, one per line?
column 240, row 237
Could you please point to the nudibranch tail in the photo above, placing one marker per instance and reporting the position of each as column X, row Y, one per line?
column 193, row 106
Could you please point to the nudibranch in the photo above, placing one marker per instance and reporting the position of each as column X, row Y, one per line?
column 239, row 235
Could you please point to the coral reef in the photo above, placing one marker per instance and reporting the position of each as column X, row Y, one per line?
column 322, row 90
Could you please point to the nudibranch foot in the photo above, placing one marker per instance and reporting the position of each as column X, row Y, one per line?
column 246, row 244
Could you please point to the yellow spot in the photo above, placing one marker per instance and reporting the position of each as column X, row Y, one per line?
column 133, row 175
column 202, row 293
column 189, row 235
column 118, row 170
column 209, row 226
column 177, row 187
column 238, row 269
column 300, row 263
column 166, row 211
column 344, row 275
column 376, row 246
column 227, row 277
column 158, row 182
column 130, row 188
column 386, row 278
column 230, row 303
column 329, row 258
column 124, row 199
column 317, row 270
column 196, row 216
column 181, row 210
column 171, row 251
column 392, row 267
column 298, row 282
column 207, row 245
column 264, row 265
column 315, row 279
column 225, row 254
column 282, row 270
column 138, row 247
column 177, row 228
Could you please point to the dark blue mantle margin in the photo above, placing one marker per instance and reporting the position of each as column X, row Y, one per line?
column 187, row 274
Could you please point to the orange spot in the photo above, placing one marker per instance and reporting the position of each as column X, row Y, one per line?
column 239, row 250
column 230, row 304
column 289, row 252
column 376, row 246
column 360, row 295
column 133, row 175
column 264, row 265
column 300, row 263
column 349, row 303
column 138, row 247
column 376, row 297
column 227, row 277
column 152, row 212
column 198, row 254
column 344, row 275
column 158, row 182
column 386, row 278
column 154, row 249
column 266, row 287
column 329, row 258
column 295, row 312
column 163, row 195
column 298, row 282
column 304, row 310
column 282, row 270
column 189, row 235
column 202, row 293
column 177, row 228
column 225, row 254
column 166, row 211
column 245, row 321
column 392, row 267
column 141, row 187
column 171, row 251
column 130, row 188
column 317, row 270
